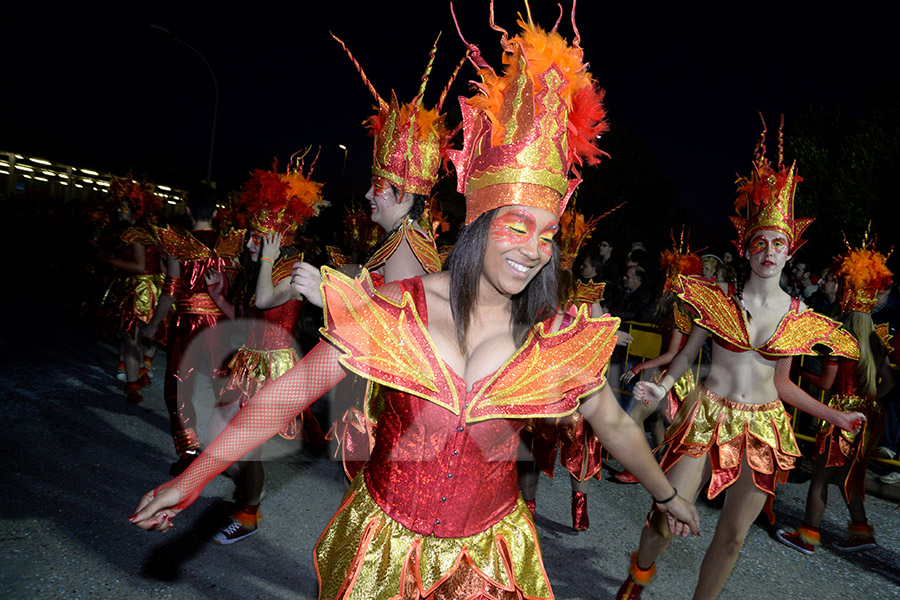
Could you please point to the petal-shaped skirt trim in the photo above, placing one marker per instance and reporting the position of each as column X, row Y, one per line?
column 363, row 554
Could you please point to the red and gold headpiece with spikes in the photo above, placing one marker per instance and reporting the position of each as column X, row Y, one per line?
column 679, row 261
column 280, row 202
column 410, row 140
column 530, row 126
column 145, row 205
column 767, row 198
column 863, row 273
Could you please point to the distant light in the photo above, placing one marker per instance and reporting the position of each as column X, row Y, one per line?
column 27, row 176
column 42, row 179
column 79, row 186
column 19, row 156
column 40, row 161
column 86, row 180
column 171, row 202
column 176, row 198
column 46, row 172
column 63, row 183
column 342, row 147
column 4, row 171
column 104, row 190
column 24, row 168
column 103, row 183
column 89, row 172
column 63, row 175
column 3, row 162
column 165, row 188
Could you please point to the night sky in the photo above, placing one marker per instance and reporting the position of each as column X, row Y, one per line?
column 92, row 84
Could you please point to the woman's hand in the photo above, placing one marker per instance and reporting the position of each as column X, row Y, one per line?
column 623, row 338
column 852, row 421
column 306, row 279
column 215, row 283
column 647, row 392
column 271, row 246
column 629, row 374
column 682, row 517
column 155, row 511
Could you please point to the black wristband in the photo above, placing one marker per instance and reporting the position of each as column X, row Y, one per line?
column 669, row 499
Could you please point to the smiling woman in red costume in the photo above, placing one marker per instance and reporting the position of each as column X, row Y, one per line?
column 733, row 428
column 462, row 357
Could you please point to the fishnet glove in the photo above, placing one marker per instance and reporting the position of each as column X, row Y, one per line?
column 263, row 416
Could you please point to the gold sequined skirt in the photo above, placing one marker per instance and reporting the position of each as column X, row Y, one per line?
column 726, row 432
column 363, row 554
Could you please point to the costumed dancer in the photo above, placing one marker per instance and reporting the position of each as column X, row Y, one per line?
column 409, row 149
column 734, row 427
column 579, row 449
column 190, row 256
column 842, row 455
column 463, row 357
column 676, row 326
column 131, row 299
column 277, row 204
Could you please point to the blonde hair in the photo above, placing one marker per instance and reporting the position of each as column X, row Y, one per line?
column 860, row 326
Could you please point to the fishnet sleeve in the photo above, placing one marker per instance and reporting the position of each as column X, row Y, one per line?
column 263, row 416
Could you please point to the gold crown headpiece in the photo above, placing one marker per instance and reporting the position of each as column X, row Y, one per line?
column 279, row 202
column 680, row 260
column 532, row 125
column 144, row 203
column 410, row 140
column 768, row 198
column 863, row 273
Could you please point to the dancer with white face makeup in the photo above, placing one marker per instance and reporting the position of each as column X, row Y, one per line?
column 463, row 357
column 733, row 429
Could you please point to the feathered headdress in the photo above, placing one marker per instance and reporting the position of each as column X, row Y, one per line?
column 279, row 202
column 863, row 273
column 767, row 198
column 530, row 126
column 140, row 197
column 410, row 140
column 679, row 261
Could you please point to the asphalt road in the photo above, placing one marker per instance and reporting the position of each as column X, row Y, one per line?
column 76, row 459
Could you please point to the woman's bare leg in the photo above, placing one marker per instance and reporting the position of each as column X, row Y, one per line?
column 688, row 476
column 817, row 496
column 743, row 503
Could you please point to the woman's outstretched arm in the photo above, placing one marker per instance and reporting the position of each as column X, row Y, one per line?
column 263, row 416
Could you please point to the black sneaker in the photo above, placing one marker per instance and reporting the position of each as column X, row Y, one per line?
column 233, row 532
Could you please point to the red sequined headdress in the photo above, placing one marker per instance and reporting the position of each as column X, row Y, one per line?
column 767, row 198
column 530, row 126
column 863, row 273
column 143, row 202
column 679, row 261
column 279, row 202
column 410, row 140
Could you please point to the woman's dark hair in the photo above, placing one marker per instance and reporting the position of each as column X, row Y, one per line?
column 742, row 275
column 664, row 314
column 245, row 285
column 538, row 301
column 202, row 201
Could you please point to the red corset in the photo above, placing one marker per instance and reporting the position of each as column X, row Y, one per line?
column 273, row 329
column 845, row 383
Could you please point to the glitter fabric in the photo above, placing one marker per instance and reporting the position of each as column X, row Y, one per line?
column 845, row 447
column 727, row 432
column 796, row 334
column 529, row 127
column 421, row 243
column 767, row 196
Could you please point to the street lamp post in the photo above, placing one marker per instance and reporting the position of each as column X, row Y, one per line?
column 344, row 170
column 212, row 139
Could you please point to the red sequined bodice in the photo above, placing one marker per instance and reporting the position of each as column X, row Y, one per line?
column 846, row 383
column 273, row 329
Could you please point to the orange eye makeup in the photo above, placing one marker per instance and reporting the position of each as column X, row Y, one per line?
column 520, row 227
column 760, row 244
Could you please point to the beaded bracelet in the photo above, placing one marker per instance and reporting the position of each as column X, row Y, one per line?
column 669, row 499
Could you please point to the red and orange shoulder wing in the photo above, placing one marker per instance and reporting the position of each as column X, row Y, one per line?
column 181, row 243
column 716, row 312
column 230, row 244
column 424, row 248
column 884, row 334
column 799, row 332
column 384, row 341
column 139, row 235
column 550, row 372
column 589, row 292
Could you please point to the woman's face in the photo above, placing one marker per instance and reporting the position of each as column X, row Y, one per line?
column 767, row 252
column 386, row 211
column 254, row 244
column 520, row 243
